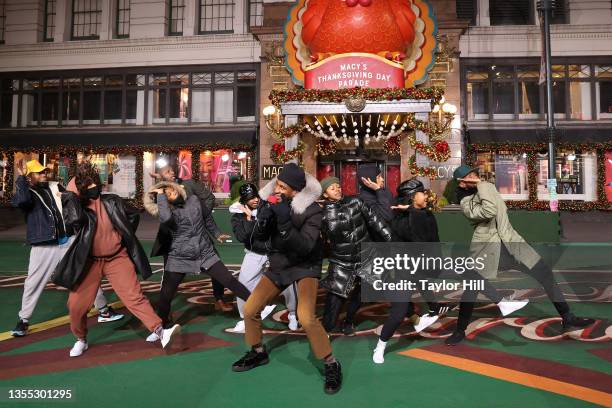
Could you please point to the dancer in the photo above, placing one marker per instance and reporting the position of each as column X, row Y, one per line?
column 483, row 206
column 207, row 200
column 415, row 222
column 49, row 238
column 373, row 192
column 190, row 249
column 293, row 227
column 244, row 218
column 106, row 245
column 347, row 223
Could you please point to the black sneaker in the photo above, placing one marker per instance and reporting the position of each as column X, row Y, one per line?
column 348, row 329
column 333, row 377
column 251, row 360
column 455, row 338
column 571, row 322
column 21, row 329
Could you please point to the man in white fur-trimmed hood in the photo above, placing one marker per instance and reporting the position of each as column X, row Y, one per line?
column 293, row 227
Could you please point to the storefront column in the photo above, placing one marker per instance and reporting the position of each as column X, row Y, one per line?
column 422, row 161
column 291, row 142
column 309, row 157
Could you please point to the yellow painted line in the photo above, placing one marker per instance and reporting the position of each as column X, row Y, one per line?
column 514, row 376
column 59, row 321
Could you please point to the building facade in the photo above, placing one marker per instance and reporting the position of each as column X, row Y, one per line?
column 504, row 101
column 132, row 85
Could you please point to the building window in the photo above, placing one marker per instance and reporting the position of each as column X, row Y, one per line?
column 218, row 168
column 122, row 24
column 515, row 12
column 603, row 90
column 176, row 17
column 49, row 20
column 528, row 92
column 256, row 13
column 466, row 10
column 246, row 95
column 169, row 98
column 216, row 16
column 7, row 88
column 576, row 175
column 503, row 91
column 86, row 19
column 560, row 13
column 71, row 101
column 2, row 20
column 478, row 92
column 580, row 92
column 507, row 170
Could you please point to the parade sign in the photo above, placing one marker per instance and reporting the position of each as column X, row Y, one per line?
column 333, row 44
column 354, row 70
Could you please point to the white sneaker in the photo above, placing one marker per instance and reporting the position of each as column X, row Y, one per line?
column 267, row 310
column 508, row 306
column 379, row 352
column 79, row 347
column 153, row 337
column 424, row 322
column 239, row 327
column 293, row 322
column 168, row 334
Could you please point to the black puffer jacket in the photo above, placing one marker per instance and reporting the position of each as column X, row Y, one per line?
column 415, row 225
column 296, row 247
column 346, row 224
column 75, row 264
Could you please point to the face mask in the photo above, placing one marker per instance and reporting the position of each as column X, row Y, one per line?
column 465, row 192
column 42, row 184
column 93, row 193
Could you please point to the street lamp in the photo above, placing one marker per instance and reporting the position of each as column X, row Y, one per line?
column 545, row 8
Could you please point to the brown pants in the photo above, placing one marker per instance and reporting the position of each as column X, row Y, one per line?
column 266, row 291
column 120, row 272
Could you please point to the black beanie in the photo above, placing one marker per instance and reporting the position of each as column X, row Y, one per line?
column 293, row 176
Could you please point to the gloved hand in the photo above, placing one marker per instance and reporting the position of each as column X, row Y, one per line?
column 265, row 213
column 282, row 211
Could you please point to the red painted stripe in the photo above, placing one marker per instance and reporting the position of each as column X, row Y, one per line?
column 561, row 372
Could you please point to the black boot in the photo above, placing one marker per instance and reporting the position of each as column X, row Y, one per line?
column 455, row 338
column 348, row 329
column 251, row 359
column 571, row 322
column 333, row 377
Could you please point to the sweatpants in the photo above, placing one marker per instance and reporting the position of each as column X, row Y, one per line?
column 251, row 271
column 121, row 274
column 172, row 280
column 334, row 304
column 265, row 292
column 540, row 272
column 42, row 264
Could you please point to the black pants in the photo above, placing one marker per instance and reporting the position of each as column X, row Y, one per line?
column 401, row 310
column 218, row 289
column 397, row 313
column 333, row 307
column 540, row 272
column 172, row 280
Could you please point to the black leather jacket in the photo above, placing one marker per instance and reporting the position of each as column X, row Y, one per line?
column 244, row 231
column 75, row 264
column 346, row 224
